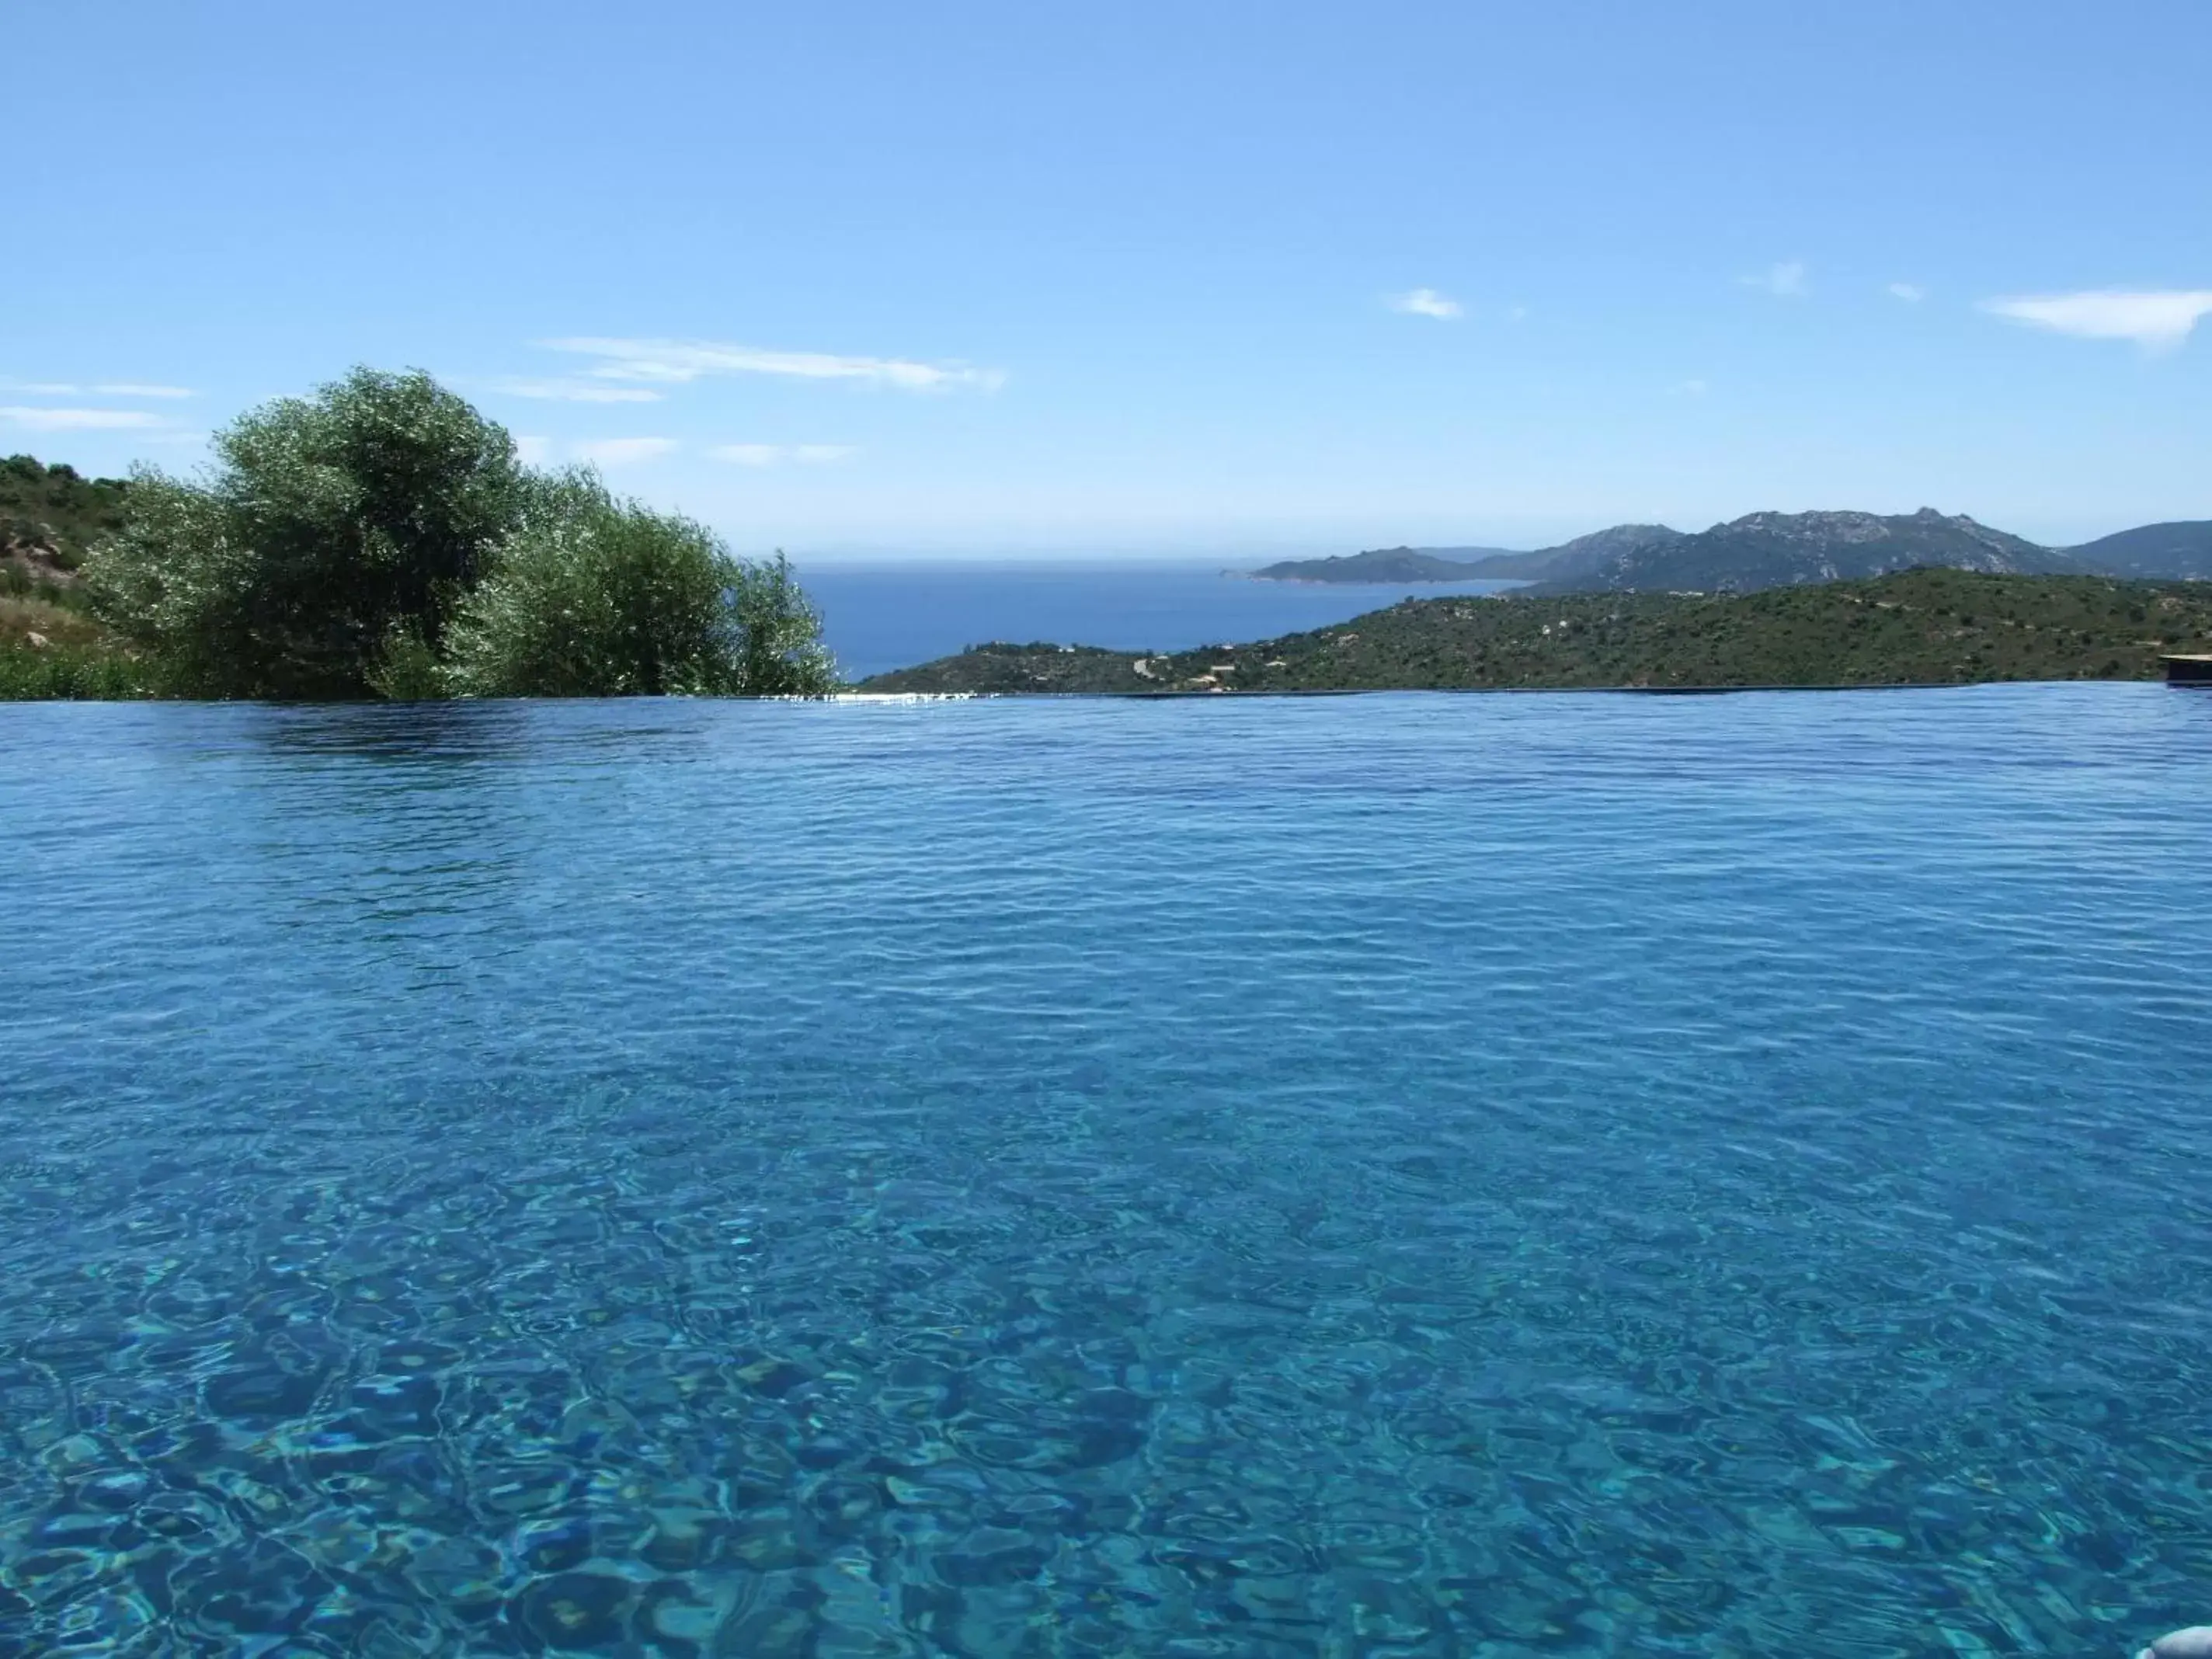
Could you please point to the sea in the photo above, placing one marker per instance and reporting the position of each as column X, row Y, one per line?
column 1424, row 1175
column 878, row 617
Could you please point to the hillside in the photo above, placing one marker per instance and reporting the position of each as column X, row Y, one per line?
column 1918, row 627
column 2179, row 551
column 1580, row 557
column 49, row 516
column 1459, row 564
column 1386, row 564
column 1778, row 550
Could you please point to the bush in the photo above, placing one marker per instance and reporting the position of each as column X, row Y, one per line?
column 329, row 524
column 29, row 673
column 594, row 596
column 380, row 539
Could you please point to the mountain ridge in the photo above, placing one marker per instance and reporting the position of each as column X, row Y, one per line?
column 1772, row 549
column 1785, row 550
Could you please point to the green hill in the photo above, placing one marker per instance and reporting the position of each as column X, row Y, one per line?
column 2156, row 551
column 49, row 516
column 1918, row 627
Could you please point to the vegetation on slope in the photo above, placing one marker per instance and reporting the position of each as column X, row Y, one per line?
column 380, row 538
column 50, row 650
column 53, row 514
column 2159, row 551
column 1919, row 627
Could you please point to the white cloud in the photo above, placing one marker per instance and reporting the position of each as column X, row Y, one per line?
column 1912, row 293
column 534, row 449
column 1691, row 388
column 620, row 452
column 1425, row 302
column 2155, row 320
column 777, row 454
column 121, row 388
column 77, row 420
column 1785, row 279
column 1517, row 314
column 677, row 361
column 577, row 391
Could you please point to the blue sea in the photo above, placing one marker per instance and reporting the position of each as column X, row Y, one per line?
column 1407, row 1174
column 896, row 616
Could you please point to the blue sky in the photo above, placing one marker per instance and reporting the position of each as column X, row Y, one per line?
column 1210, row 278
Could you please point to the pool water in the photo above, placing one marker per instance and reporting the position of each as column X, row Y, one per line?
column 1415, row 1175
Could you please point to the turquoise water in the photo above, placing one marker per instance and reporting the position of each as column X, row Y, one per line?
column 1413, row 1175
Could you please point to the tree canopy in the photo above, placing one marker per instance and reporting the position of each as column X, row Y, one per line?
column 591, row 596
column 380, row 537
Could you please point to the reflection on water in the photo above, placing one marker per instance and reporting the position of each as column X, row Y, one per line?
column 1413, row 1175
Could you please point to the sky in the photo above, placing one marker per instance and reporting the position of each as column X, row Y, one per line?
column 1207, row 278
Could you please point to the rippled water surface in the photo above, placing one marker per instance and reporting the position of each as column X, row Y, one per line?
column 1422, row 1176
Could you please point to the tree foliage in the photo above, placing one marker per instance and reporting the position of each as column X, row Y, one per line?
column 594, row 596
column 380, row 538
column 328, row 525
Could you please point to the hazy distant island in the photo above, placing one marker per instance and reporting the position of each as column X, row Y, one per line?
column 1773, row 549
column 1921, row 626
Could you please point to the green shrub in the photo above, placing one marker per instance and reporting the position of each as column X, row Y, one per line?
column 29, row 673
column 594, row 596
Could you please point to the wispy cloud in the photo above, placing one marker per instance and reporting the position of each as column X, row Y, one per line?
column 777, row 454
column 1427, row 303
column 533, row 449
column 620, row 452
column 1691, row 388
column 1784, row 279
column 677, row 361
column 1912, row 293
column 76, row 420
column 105, row 389
column 576, row 391
column 2156, row 319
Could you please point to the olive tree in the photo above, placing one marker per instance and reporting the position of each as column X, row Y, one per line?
column 595, row 596
column 331, row 531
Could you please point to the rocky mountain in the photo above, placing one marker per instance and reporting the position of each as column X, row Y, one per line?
column 1777, row 549
column 2179, row 551
column 1387, row 564
column 1578, row 557
column 1783, row 550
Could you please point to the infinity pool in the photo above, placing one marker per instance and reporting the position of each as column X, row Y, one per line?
column 1432, row 1175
